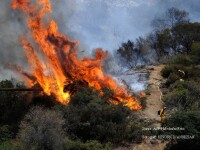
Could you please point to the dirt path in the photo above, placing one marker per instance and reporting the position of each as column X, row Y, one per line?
column 153, row 104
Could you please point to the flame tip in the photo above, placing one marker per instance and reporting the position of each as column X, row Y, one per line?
column 55, row 65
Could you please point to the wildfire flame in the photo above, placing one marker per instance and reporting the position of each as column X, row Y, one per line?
column 58, row 65
column 142, row 94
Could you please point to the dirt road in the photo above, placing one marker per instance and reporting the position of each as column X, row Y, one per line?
column 153, row 104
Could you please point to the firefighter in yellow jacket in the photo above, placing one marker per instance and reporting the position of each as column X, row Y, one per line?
column 182, row 75
column 161, row 113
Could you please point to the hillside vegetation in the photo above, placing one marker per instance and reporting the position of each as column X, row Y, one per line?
column 89, row 122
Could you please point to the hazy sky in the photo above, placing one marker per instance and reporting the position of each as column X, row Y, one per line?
column 95, row 23
column 107, row 23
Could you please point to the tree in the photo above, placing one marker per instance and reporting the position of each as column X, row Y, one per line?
column 176, row 40
column 144, row 49
column 126, row 52
column 172, row 17
column 185, row 34
column 174, row 33
column 160, row 43
column 165, row 40
column 42, row 129
column 130, row 54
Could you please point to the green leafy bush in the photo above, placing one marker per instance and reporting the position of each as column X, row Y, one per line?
column 5, row 133
column 173, row 77
column 42, row 129
column 193, row 73
column 196, row 50
column 90, row 116
column 171, row 68
column 183, row 95
column 176, row 98
column 11, row 145
column 6, row 145
column 190, row 122
column 148, row 90
column 182, row 60
column 165, row 72
column 134, row 129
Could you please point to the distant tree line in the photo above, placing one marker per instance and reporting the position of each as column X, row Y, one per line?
column 172, row 34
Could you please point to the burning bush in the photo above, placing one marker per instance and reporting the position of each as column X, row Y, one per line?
column 55, row 66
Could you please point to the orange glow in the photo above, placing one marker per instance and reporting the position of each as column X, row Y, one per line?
column 142, row 94
column 55, row 64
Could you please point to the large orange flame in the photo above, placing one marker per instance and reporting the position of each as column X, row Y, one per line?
column 55, row 64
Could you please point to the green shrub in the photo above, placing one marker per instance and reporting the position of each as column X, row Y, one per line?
column 190, row 122
column 173, row 77
column 182, row 60
column 11, row 145
column 134, row 129
column 5, row 133
column 171, row 68
column 143, row 101
column 195, row 50
column 193, row 73
column 42, row 129
column 184, row 95
column 89, row 116
column 165, row 72
column 89, row 145
column 6, row 145
column 176, row 98
column 148, row 90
